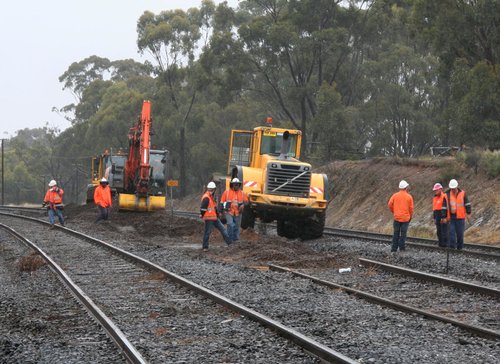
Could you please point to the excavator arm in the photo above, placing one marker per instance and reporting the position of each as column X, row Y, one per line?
column 137, row 195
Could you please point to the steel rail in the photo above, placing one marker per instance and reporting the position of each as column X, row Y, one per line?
column 475, row 288
column 308, row 344
column 482, row 331
column 375, row 237
column 127, row 349
column 385, row 238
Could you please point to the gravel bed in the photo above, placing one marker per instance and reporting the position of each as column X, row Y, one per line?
column 474, row 270
column 40, row 321
column 165, row 322
column 358, row 329
column 355, row 328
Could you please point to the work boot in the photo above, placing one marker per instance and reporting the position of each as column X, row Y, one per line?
column 205, row 249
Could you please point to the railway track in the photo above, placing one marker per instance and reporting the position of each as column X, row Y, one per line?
column 409, row 295
column 124, row 346
column 360, row 331
column 476, row 250
column 118, row 282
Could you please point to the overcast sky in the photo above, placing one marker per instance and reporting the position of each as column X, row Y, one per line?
column 40, row 39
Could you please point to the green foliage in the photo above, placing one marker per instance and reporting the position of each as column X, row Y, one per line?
column 490, row 163
column 389, row 78
column 452, row 170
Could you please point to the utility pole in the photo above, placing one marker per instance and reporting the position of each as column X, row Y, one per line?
column 3, row 172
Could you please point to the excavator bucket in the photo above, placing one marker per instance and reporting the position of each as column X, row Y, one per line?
column 132, row 202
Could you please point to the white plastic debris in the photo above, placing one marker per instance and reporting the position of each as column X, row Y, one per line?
column 344, row 270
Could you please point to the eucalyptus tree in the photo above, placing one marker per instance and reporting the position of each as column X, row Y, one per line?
column 464, row 35
column 174, row 39
column 295, row 47
column 400, row 86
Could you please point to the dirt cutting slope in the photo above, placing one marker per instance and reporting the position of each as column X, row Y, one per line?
column 361, row 190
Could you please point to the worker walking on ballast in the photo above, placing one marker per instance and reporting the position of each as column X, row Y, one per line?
column 54, row 201
column 102, row 199
column 439, row 215
column 208, row 212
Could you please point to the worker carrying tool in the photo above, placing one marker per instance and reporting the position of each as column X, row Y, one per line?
column 208, row 212
column 233, row 201
column 439, row 215
column 102, row 199
column 53, row 200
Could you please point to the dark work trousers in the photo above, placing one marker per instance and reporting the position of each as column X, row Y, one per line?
column 103, row 213
column 457, row 228
column 209, row 225
column 441, row 230
column 399, row 236
column 442, row 234
column 53, row 213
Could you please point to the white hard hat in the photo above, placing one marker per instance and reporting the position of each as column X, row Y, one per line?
column 235, row 180
column 104, row 180
column 453, row 183
column 403, row 184
column 52, row 183
column 211, row 185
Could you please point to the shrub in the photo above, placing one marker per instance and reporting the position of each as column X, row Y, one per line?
column 490, row 163
column 450, row 171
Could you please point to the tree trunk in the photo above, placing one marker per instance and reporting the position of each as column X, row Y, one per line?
column 182, row 166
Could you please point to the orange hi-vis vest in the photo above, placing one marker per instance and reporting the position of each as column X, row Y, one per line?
column 211, row 212
column 457, row 204
column 102, row 196
column 236, row 198
column 53, row 198
column 401, row 205
column 437, row 201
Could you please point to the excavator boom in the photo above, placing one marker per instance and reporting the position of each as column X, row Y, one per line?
column 137, row 195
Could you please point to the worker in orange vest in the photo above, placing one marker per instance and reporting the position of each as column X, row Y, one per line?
column 458, row 207
column 439, row 214
column 54, row 201
column 102, row 199
column 233, row 201
column 209, row 214
column 401, row 206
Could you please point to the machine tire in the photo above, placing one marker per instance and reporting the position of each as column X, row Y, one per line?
column 288, row 229
column 313, row 227
column 247, row 218
column 280, row 227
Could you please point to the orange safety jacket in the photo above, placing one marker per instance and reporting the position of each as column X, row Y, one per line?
column 102, row 196
column 53, row 197
column 437, row 202
column 401, row 206
column 208, row 211
column 234, row 199
column 459, row 204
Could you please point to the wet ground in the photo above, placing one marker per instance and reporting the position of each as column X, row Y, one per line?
column 160, row 227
